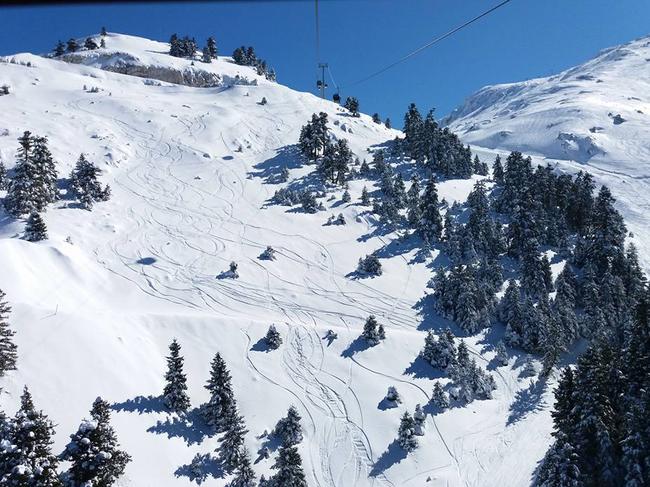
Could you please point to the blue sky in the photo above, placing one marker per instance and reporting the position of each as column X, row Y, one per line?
column 524, row 39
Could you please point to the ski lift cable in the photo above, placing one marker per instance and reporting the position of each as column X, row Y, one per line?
column 332, row 78
column 430, row 43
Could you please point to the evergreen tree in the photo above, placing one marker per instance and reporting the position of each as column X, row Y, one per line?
column 244, row 474
column 46, row 176
column 406, row 433
column 501, row 353
column 352, row 105
column 289, row 467
column 376, row 118
column 212, row 47
column 337, row 158
column 29, row 461
column 273, row 338
column 288, row 428
column 497, row 170
column 413, row 202
column 387, row 123
column 35, row 229
column 419, row 417
column 430, row 225
column 72, row 45
column 314, row 137
column 90, row 44
column 205, row 55
column 102, row 43
column 94, row 454
column 369, row 265
column 559, row 467
column 59, row 50
column 103, row 32
column 230, row 449
column 21, row 198
column 365, row 198
column 222, row 399
column 175, row 392
column 439, row 397
column 8, row 349
column 372, row 332
column 84, row 184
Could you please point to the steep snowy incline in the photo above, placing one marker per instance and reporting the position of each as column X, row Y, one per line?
column 191, row 171
column 593, row 117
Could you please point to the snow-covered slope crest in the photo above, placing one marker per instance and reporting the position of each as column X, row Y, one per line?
column 600, row 109
column 192, row 171
column 145, row 58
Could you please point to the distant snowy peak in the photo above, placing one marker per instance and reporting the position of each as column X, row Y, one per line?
column 599, row 109
column 145, row 58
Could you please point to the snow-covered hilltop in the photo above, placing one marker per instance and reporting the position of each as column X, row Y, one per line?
column 598, row 110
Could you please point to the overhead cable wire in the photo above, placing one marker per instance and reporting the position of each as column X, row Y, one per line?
column 430, row 43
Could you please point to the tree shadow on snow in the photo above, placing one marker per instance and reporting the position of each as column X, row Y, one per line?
column 421, row 369
column 385, row 404
column 393, row 454
column 261, row 345
column 270, row 169
column 527, row 401
column 359, row 344
column 199, row 471
column 146, row 261
column 271, row 443
column 141, row 405
column 190, row 427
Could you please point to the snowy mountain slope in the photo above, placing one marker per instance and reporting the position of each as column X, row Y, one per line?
column 96, row 305
column 592, row 117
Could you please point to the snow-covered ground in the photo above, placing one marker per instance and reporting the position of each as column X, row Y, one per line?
column 592, row 117
column 97, row 304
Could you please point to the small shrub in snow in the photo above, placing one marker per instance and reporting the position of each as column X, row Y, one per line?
column 268, row 254
column 346, row 198
column 338, row 220
column 232, row 270
column 369, row 265
column 309, row 202
column 439, row 353
column 273, row 338
column 392, row 395
column 263, row 102
column 4, row 90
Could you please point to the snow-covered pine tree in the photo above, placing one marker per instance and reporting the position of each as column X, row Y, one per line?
column 430, row 224
column 35, row 229
column 273, row 339
column 85, row 185
column 289, row 469
column 497, row 170
column 46, row 176
column 376, row 118
column 387, row 123
column 8, row 349
column 288, row 429
column 212, row 47
column 221, row 394
column 439, row 397
column 94, row 453
column 419, row 417
column 369, row 265
column 413, row 202
column 59, row 50
column 28, row 460
column 232, row 442
column 72, row 45
column 501, row 353
column 175, row 392
column 90, row 44
column 205, row 55
column 371, row 331
column 365, row 198
column 102, row 43
column 406, row 433
column 21, row 197
column 399, row 192
column 4, row 183
column 244, row 473
column 352, row 105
